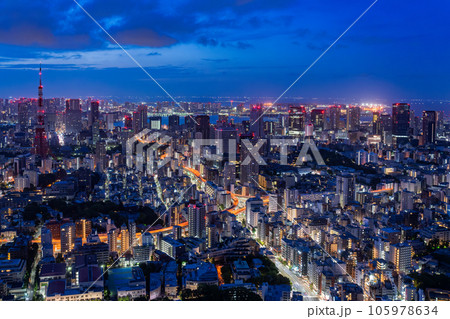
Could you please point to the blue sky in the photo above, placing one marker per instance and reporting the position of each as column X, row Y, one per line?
column 399, row 49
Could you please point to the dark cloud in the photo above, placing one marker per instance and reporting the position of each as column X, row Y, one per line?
column 207, row 41
column 144, row 38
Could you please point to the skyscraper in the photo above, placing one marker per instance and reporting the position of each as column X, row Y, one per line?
column 345, row 188
column 174, row 122
column 257, row 121
column 140, row 118
column 40, row 139
column 94, row 114
column 124, row 239
column 226, row 138
column 113, row 235
column 297, row 115
column 353, row 118
column 67, row 237
column 197, row 220
column 155, row 122
column 132, row 231
column 73, row 116
column 401, row 119
column 317, row 118
column 202, row 126
column 401, row 256
column 332, row 118
column 249, row 168
column 429, row 125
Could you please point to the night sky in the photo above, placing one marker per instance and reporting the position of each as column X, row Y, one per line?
column 399, row 50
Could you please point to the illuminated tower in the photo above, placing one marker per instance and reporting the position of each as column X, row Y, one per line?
column 40, row 139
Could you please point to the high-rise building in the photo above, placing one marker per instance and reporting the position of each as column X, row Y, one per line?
column 46, row 242
column 376, row 123
column 23, row 119
column 83, row 228
column 229, row 175
column 211, row 236
column 401, row 122
column 197, row 220
column 249, row 168
column 317, row 118
column 226, row 138
column 124, row 239
column 174, row 122
column 140, row 118
column 113, row 235
column 253, row 207
column 353, row 118
column 132, row 231
column 429, row 126
column 202, row 126
column 73, row 116
column 94, row 113
column 155, row 122
column 257, row 121
column 297, row 117
column 67, row 237
column 332, row 118
column 401, row 256
column 345, row 188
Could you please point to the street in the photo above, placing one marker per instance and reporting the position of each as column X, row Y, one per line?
column 297, row 283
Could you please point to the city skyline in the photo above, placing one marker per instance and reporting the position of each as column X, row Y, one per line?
column 132, row 175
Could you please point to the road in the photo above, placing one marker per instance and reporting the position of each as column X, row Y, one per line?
column 297, row 283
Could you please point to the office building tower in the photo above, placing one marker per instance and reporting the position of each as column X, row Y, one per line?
column 376, row 123
column 73, row 116
column 249, row 168
column 67, row 237
column 128, row 122
column 253, row 207
column 401, row 122
column 317, row 118
column 353, row 118
column 429, row 126
column 140, row 118
column 229, row 175
column 226, row 141
column 94, row 113
column 345, row 188
column 332, row 118
column 203, row 126
column 24, row 116
column 197, row 220
column 155, row 122
column 257, row 121
column 174, row 122
column 297, row 118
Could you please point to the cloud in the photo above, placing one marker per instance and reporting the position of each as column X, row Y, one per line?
column 144, row 38
column 203, row 40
